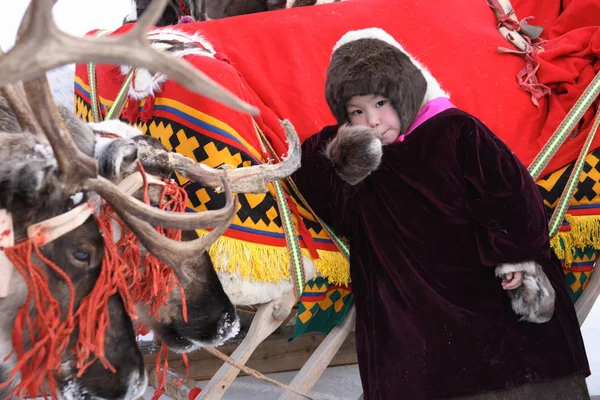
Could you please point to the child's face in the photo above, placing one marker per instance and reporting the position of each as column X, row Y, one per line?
column 376, row 112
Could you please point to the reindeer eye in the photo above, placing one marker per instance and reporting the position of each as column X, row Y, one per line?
column 83, row 256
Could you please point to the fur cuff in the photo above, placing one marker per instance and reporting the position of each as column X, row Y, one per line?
column 534, row 299
column 355, row 152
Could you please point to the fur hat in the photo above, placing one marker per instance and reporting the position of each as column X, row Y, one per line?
column 370, row 61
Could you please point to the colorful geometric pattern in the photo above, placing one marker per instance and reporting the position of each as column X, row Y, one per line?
column 260, row 252
column 578, row 240
column 322, row 307
column 254, row 244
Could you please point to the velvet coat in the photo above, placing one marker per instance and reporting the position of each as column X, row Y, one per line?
column 426, row 231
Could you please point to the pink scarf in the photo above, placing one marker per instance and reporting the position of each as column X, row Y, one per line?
column 431, row 108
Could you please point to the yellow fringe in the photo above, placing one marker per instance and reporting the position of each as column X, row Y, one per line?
column 585, row 231
column 264, row 263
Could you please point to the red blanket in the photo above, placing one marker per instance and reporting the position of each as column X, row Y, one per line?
column 283, row 56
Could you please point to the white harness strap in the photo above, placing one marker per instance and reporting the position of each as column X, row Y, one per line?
column 7, row 239
column 46, row 231
column 134, row 182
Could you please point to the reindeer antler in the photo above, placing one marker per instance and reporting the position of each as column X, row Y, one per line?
column 42, row 46
column 178, row 255
column 252, row 179
column 75, row 167
column 18, row 103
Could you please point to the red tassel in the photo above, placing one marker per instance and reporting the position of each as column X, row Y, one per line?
column 307, row 238
column 148, row 110
column 131, row 112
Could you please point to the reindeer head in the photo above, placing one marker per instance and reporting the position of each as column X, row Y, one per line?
column 211, row 316
column 31, row 192
column 60, row 179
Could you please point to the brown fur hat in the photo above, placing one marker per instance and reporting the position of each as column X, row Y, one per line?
column 372, row 62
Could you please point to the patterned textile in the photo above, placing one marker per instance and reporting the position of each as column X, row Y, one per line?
column 578, row 240
column 322, row 306
column 289, row 84
column 254, row 244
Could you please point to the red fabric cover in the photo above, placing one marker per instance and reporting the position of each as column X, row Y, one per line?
column 283, row 56
column 109, row 81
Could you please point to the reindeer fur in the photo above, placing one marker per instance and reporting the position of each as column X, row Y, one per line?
column 31, row 192
column 202, row 10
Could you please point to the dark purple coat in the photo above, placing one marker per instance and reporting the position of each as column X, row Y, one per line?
column 426, row 230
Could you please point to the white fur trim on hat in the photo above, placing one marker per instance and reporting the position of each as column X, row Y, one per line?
column 434, row 90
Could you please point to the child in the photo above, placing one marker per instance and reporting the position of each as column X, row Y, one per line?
column 457, row 292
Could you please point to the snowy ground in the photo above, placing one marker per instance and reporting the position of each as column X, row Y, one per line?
column 337, row 383
column 80, row 16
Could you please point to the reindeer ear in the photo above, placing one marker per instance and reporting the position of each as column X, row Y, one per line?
column 115, row 127
column 27, row 182
column 355, row 152
column 116, row 158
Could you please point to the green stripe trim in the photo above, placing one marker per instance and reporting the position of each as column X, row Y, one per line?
column 566, row 126
column 565, row 199
column 291, row 239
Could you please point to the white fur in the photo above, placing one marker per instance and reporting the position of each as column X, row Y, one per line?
column 226, row 331
column 116, row 127
column 146, row 84
column 101, row 144
column 375, row 148
column 168, row 33
column 434, row 89
column 77, row 198
column 113, row 126
column 527, row 267
column 135, row 389
column 44, row 150
column 247, row 293
column 137, row 386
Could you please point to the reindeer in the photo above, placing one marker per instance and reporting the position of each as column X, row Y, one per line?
column 45, row 178
column 202, row 10
column 31, row 193
column 275, row 300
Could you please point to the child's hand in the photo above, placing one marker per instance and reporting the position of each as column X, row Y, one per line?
column 512, row 280
column 529, row 289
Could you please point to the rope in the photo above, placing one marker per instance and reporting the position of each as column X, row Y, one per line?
column 117, row 107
